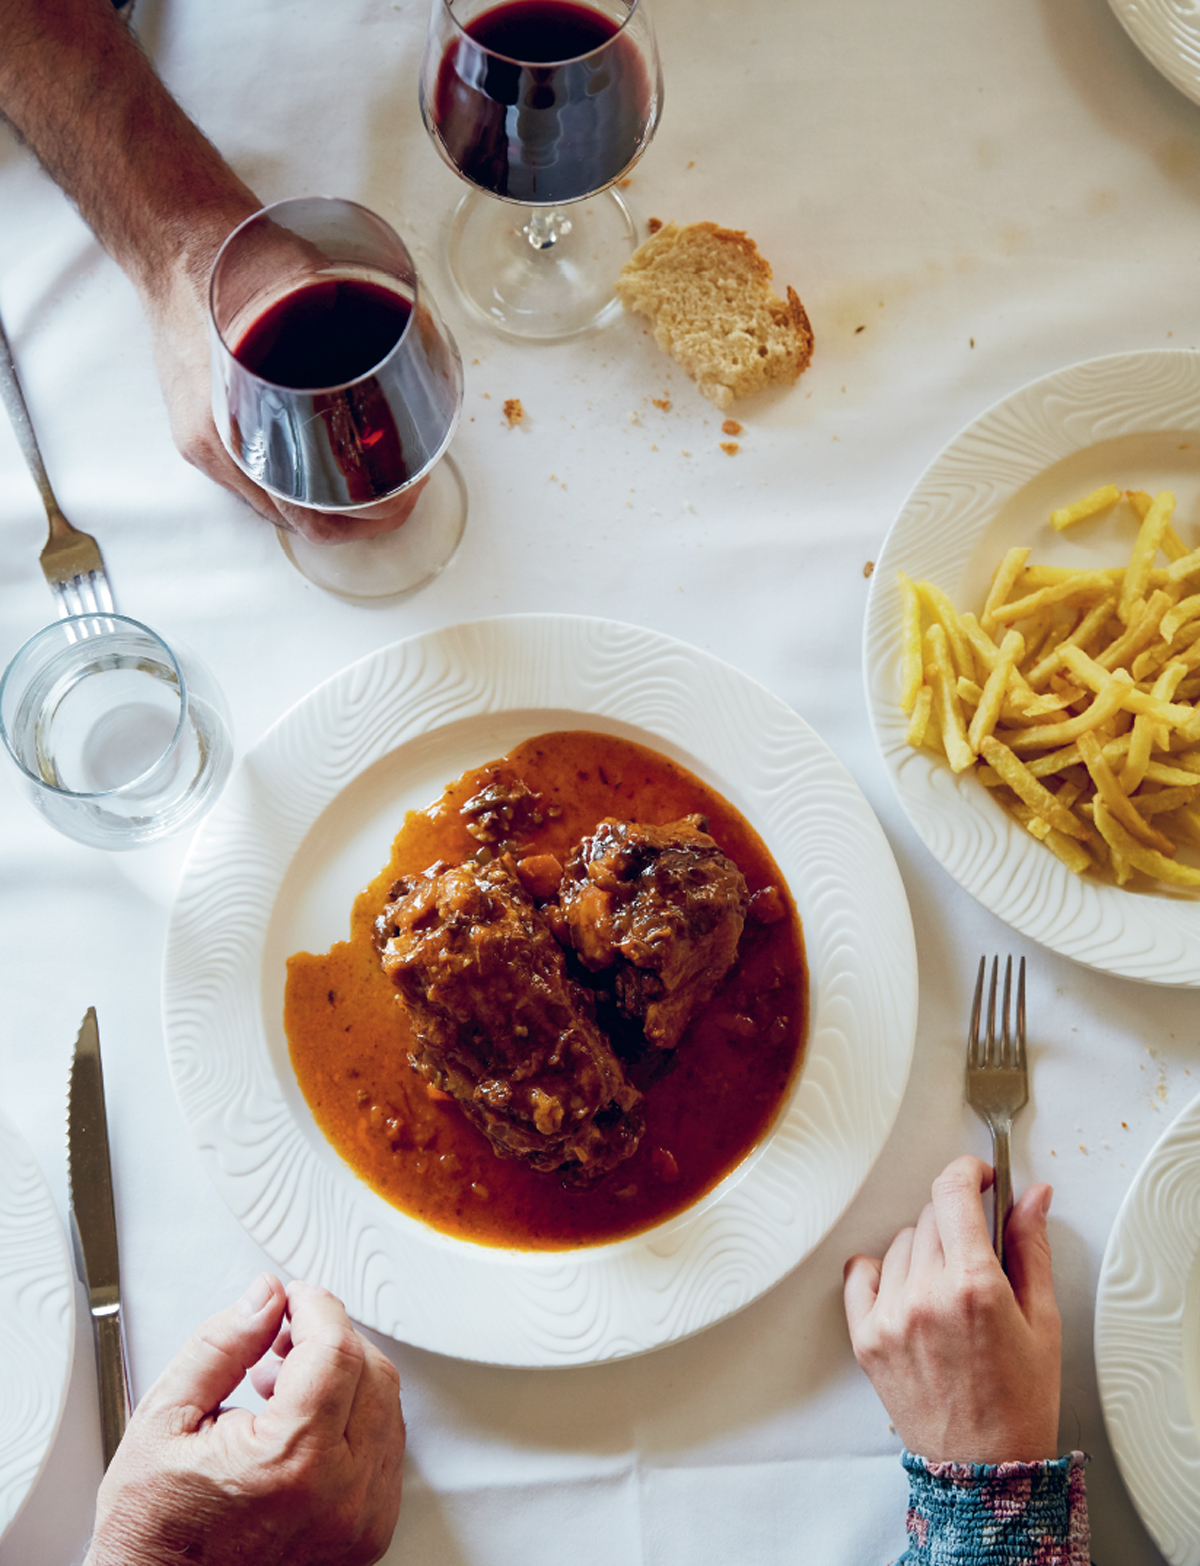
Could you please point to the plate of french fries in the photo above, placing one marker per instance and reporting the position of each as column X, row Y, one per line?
column 1032, row 660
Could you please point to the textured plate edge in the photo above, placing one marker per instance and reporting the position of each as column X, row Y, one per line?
column 903, row 965
column 1161, row 44
column 63, row 1277
column 1140, row 1480
column 879, row 651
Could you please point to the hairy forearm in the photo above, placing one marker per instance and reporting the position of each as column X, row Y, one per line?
column 80, row 92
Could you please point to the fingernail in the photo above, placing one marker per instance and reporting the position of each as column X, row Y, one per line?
column 256, row 1296
column 1047, row 1199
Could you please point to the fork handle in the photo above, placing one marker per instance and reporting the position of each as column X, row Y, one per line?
column 14, row 401
column 1001, row 1190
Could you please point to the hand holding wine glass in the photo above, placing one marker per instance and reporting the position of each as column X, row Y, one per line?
column 336, row 387
column 541, row 104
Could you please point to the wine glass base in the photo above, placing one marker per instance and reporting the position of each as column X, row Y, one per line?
column 394, row 563
column 524, row 287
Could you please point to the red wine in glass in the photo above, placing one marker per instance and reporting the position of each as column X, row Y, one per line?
column 541, row 100
column 336, row 386
column 545, row 105
column 327, row 334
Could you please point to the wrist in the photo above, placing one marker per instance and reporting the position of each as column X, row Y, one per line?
column 1026, row 1511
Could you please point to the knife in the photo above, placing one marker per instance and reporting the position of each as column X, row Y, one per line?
column 94, row 1228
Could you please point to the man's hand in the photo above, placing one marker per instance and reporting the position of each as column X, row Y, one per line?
column 161, row 200
column 965, row 1360
column 313, row 1479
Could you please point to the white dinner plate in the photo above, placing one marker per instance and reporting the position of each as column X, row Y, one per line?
column 308, row 819
column 1132, row 420
column 37, row 1322
column 1168, row 34
column 1148, row 1339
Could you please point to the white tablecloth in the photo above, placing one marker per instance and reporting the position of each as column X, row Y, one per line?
column 965, row 197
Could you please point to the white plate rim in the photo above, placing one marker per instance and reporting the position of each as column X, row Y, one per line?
column 37, row 1321
column 1161, row 30
column 1149, row 1287
column 606, row 1302
column 1139, row 936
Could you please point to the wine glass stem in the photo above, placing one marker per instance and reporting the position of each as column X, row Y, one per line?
column 545, row 228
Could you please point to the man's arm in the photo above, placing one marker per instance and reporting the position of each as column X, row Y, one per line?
column 161, row 200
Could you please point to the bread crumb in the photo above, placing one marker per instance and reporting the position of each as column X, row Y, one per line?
column 731, row 427
column 662, row 402
column 868, row 568
column 858, row 329
column 624, row 184
column 513, row 411
column 653, row 225
column 705, row 291
column 684, row 452
column 730, row 448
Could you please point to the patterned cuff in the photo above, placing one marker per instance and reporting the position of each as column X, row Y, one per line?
column 996, row 1514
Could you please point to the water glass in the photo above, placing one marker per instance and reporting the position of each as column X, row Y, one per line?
column 119, row 738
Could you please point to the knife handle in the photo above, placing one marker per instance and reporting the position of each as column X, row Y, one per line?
column 113, row 1379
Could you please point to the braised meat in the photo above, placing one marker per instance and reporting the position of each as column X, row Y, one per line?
column 664, row 907
column 498, row 1024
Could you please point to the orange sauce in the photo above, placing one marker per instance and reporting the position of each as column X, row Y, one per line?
column 349, row 1037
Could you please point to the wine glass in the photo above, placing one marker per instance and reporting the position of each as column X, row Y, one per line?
column 542, row 104
column 336, row 385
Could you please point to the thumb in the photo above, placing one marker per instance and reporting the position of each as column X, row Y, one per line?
column 1027, row 1255
column 216, row 1357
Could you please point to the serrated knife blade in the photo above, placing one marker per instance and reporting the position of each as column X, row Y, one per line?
column 94, row 1228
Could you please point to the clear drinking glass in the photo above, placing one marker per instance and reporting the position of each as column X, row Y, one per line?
column 119, row 738
column 336, row 385
column 541, row 105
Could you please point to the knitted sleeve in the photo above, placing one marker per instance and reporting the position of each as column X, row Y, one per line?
column 996, row 1514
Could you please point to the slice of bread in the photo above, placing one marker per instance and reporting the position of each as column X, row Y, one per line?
column 707, row 292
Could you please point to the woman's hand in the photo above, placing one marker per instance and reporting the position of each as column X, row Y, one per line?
column 966, row 1361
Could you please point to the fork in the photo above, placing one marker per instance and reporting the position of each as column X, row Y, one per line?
column 71, row 560
column 998, row 1082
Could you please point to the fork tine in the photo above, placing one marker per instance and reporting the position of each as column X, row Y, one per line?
column 1021, row 1016
column 1006, row 1050
column 71, row 595
column 104, row 595
column 87, row 593
column 973, row 1058
column 989, row 1056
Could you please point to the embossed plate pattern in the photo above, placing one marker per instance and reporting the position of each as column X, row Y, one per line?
column 1133, row 420
column 37, row 1321
column 308, row 819
column 1148, row 1339
column 1168, row 34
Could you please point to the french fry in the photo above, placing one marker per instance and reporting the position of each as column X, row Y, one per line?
column 1084, row 680
column 1147, row 545
column 940, row 674
column 1082, row 588
column 946, row 615
column 919, row 722
column 1184, row 566
column 1006, row 574
column 914, row 663
column 1119, row 805
column 1034, row 794
column 1089, row 506
column 994, row 691
column 1072, row 853
column 1125, row 845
